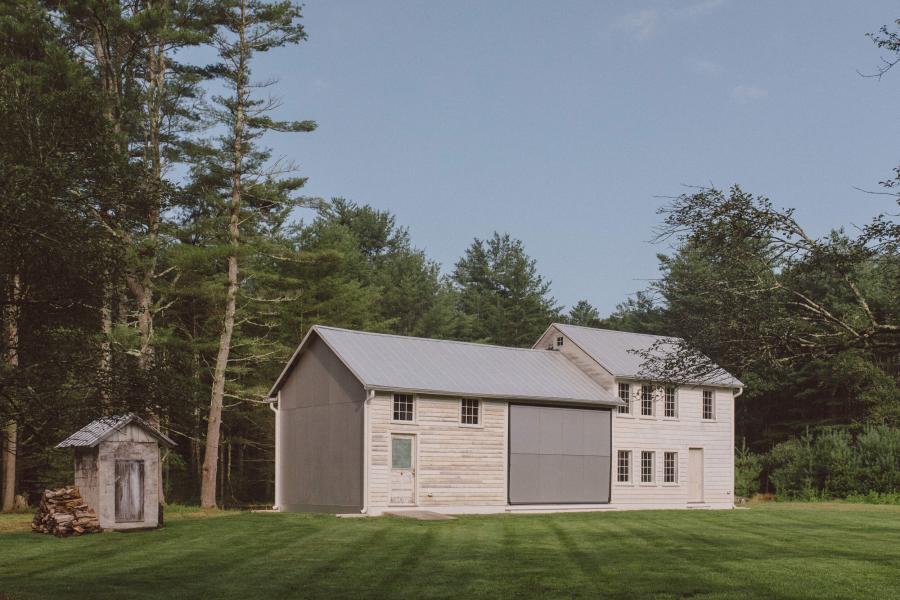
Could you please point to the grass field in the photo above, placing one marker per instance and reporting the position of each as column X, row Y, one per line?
column 771, row 551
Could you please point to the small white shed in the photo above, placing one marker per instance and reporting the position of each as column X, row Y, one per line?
column 117, row 470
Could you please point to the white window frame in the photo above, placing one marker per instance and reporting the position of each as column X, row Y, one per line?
column 652, row 389
column 415, row 409
column 629, row 468
column 479, row 414
column 560, row 340
column 627, row 409
column 652, row 480
column 674, row 389
column 674, row 468
column 712, row 395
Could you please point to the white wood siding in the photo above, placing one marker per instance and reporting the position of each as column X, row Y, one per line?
column 688, row 430
column 456, row 465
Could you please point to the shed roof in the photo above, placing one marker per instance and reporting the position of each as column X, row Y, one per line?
column 619, row 352
column 96, row 431
column 400, row 363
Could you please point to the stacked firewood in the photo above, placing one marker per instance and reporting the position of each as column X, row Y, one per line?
column 63, row 512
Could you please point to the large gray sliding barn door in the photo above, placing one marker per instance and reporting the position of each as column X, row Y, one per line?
column 558, row 455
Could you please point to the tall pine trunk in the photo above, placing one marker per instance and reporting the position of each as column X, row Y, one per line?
column 10, row 430
column 214, row 426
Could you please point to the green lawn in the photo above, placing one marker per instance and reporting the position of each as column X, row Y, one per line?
column 776, row 550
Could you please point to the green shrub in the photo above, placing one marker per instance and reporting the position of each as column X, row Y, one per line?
column 875, row 498
column 747, row 469
column 833, row 464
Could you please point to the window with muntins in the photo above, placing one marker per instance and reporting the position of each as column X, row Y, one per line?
column 403, row 407
column 625, row 396
column 469, row 414
column 671, row 409
column 709, row 411
column 559, row 341
column 623, row 469
column 647, row 466
column 670, row 467
column 647, row 400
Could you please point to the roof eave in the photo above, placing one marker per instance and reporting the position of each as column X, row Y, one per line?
column 592, row 401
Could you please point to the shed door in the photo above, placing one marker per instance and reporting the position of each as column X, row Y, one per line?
column 558, row 455
column 129, row 491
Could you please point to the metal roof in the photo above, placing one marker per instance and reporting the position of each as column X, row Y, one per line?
column 96, row 431
column 400, row 363
column 618, row 351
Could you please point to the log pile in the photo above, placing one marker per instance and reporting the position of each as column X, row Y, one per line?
column 63, row 512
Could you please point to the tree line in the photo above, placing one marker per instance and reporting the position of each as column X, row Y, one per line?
column 151, row 259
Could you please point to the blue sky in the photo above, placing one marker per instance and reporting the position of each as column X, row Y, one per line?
column 566, row 123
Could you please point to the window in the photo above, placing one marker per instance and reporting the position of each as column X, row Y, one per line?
column 401, row 452
column 559, row 341
column 647, row 400
column 469, row 412
column 670, row 467
column 647, row 466
column 625, row 396
column 623, row 472
column 709, row 411
column 671, row 409
column 403, row 407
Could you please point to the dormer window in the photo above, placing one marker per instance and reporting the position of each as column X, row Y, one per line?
column 559, row 341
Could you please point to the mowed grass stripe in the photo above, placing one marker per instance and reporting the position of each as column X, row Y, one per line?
column 773, row 551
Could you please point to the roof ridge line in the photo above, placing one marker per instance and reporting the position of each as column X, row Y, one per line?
column 426, row 339
column 653, row 335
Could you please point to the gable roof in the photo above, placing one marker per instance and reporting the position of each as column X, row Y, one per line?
column 400, row 363
column 618, row 352
column 96, row 431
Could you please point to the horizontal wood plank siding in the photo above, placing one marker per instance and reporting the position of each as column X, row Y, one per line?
column 688, row 430
column 457, row 465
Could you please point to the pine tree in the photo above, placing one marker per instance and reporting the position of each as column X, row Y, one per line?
column 500, row 289
column 238, row 168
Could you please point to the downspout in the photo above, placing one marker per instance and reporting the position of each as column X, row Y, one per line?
column 734, row 396
column 273, row 406
column 370, row 394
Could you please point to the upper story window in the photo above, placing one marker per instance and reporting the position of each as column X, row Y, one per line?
column 671, row 403
column 470, row 412
column 559, row 341
column 647, row 462
column 623, row 468
column 709, row 406
column 404, row 407
column 647, row 400
column 625, row 396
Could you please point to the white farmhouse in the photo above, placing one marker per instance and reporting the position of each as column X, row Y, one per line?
column 367, row 423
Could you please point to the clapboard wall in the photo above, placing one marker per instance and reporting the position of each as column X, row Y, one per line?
column 457, row 465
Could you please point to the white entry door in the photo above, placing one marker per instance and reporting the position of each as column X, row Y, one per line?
column 695, row 475
column 403, row 469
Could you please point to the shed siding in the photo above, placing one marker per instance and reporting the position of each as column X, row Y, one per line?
column 87, row 476
column 687, row 431
column 457, row 465
column 124, row 449
column 320, row 435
